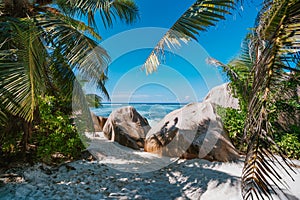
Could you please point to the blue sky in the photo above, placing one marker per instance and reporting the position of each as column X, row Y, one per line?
column 184, row 76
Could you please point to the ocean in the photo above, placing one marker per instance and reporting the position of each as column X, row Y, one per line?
column 153, row 112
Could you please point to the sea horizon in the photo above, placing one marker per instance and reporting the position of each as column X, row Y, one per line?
column 185, row 103
column 152, row 111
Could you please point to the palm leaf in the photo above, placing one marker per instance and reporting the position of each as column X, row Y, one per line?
column 64, row 81
column 274, row 42
column 22, row 76
column 94, row 100
column 80, row 26
column 125, row 10
column 81, row 52
column 80, row 108
column 238, row 70
column 3, row 115
column 201, row 15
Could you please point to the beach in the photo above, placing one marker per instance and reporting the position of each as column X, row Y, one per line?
column 123, row 173
column 149, row 100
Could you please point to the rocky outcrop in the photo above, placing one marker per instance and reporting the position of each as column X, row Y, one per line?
column 127, row 127
column 222, row 95
column 194, row 131
column 98, row 122
column 102, row 121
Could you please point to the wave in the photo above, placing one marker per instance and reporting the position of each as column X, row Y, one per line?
column 153, row 112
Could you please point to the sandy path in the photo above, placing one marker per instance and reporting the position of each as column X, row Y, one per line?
column 122, row 173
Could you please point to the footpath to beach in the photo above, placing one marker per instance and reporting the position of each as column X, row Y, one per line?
column 123, row 173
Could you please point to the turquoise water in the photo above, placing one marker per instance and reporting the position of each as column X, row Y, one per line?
column 154, row 112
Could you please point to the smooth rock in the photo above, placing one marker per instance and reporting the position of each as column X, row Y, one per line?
column 194, row 131
column 127, row 127
column 98, row 122
column 222, row 95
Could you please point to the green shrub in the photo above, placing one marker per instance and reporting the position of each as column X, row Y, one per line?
column 289, row 143
column 55, row 131
column 233, row 122
column 11, row 133
column 9, row 143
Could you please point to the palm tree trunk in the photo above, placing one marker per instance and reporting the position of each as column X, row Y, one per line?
column 27, row 129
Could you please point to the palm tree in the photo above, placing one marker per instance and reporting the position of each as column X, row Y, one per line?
column 266, row 76
column 263, row 74
column 275, row 56
column 201, row 15
column 43, row 44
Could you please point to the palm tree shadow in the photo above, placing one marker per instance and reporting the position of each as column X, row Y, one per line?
column 171, row 177
column 186, row 179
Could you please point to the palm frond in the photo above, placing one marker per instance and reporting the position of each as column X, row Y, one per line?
column 94, row 100
column 125, row 10
column 274, row 41
column 64, row 81
column 80, row 52
column 80, row 108
column 22, row 76
column 3, row 115
column 260, row 177
column 238, row 71
column 79, row 25
column 201, row 15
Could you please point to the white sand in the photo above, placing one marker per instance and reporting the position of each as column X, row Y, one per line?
column 122, row 173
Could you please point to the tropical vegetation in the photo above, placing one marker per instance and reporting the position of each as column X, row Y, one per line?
column 44, row 44
column 265, row 78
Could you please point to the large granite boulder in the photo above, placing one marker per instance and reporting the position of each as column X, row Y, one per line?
column 127, row 127
column 102, row 121
column 222, row 95
column 98, row 122
column 194, row 131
